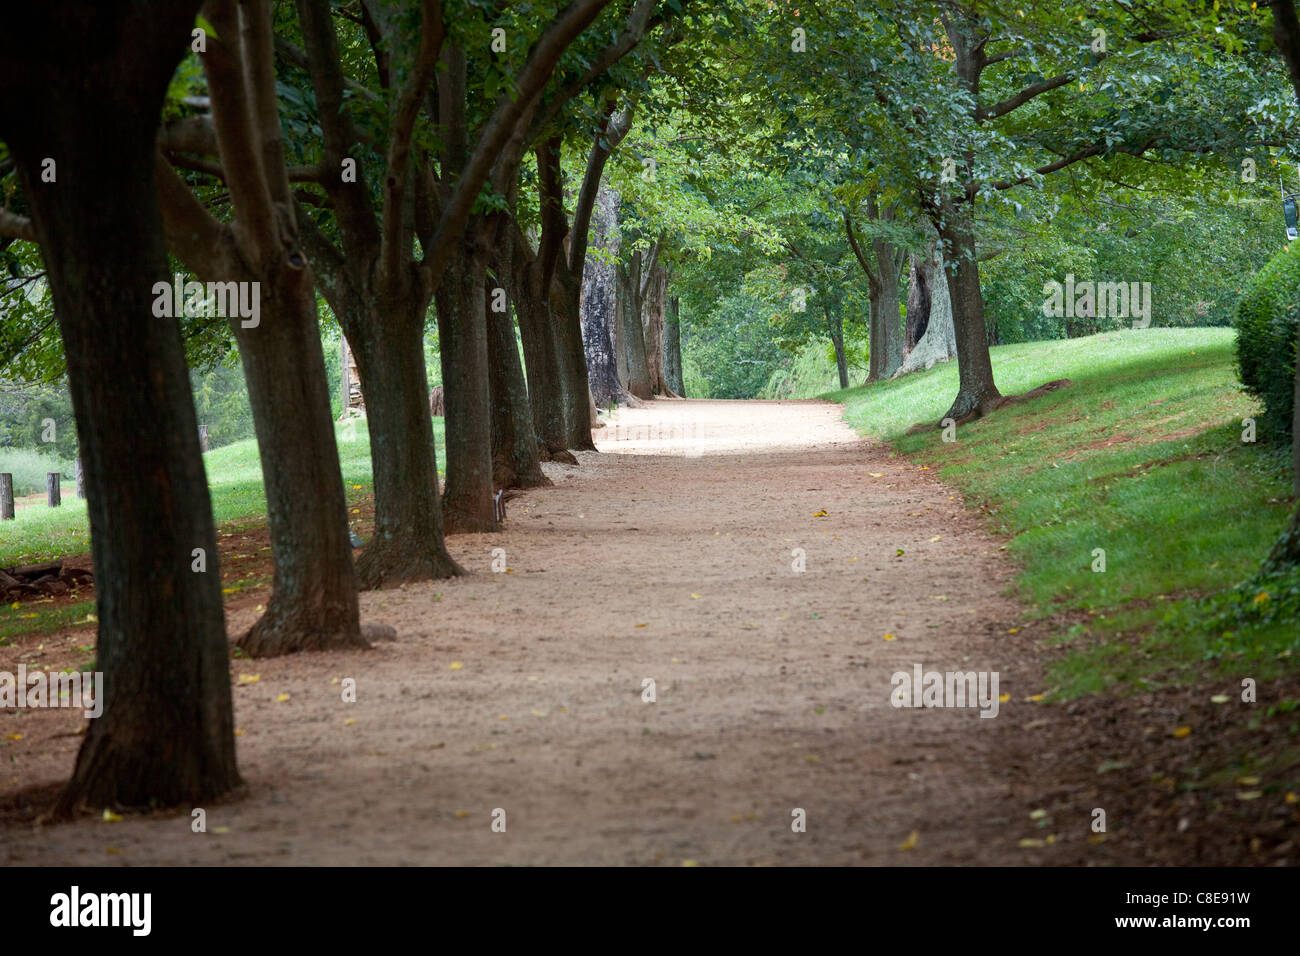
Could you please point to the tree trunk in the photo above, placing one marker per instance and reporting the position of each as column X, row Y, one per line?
column 618, row 336
column 976, row 392
column 939, row 341
column 166, row 734
column 462, row 331
column 891, row 326
column 835, row 326
column 408, row 541
column 673, row 348
column 541, row 350
column 921, row 278
column 630, row 329
column 313, row 603
column 600, row 304
column 566, row 299
column 876, row 350
column 515, row 460
column 655, row 305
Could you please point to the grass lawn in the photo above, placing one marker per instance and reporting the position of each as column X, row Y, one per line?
column 234, row 481
column 1142, row 458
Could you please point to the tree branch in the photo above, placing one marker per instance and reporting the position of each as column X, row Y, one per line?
column 392, row 244
column 555, row 39
column 237, row 136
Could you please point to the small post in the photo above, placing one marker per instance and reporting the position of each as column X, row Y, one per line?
column 203, row 438
column 81, row 480
column 53, row 489
column 6, row 496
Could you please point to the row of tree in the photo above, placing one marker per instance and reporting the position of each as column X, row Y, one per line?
column 374, row 152
column 390, row 156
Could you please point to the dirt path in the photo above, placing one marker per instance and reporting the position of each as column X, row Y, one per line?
column 669, row 556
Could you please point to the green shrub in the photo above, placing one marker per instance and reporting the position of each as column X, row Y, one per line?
column 1266, row 337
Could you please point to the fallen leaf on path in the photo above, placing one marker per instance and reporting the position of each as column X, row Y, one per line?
column 695, row 597
column 349, row 722
column 937, row 537
column 455, row 666
column 910, row 842
column 1182, row 732
column 110, row 816
column 249, row 678
column 875, row 474
column 889, row 637
column 819, row 514
column 282, row 698
column 1220, row 699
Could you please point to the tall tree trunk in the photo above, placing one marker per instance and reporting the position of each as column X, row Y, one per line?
column 600, row 303
column 72, row 79
column 976, row 392
column 313, row 603
column 408, row 541
column 541, row 350
column 515, row 459
column 875, row 335
column 656, row 304
column 630, row 329
column 890, row 324
column 835, row 326
column 618, row 336
column 462, row 333
column 566, row 299
column 673, row 347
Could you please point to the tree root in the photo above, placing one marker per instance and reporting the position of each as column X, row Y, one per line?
column 987, row 406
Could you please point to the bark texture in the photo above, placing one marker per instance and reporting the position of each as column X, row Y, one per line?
column 166, row 734
column 673, row 347
column 938, row 343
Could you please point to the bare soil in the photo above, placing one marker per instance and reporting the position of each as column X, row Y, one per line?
column 670, row 556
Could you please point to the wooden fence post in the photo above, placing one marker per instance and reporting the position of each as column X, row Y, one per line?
column 53, row 490
column 81, row 480
column 6, row 496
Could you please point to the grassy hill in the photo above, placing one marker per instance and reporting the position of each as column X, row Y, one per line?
column 1141, row 457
